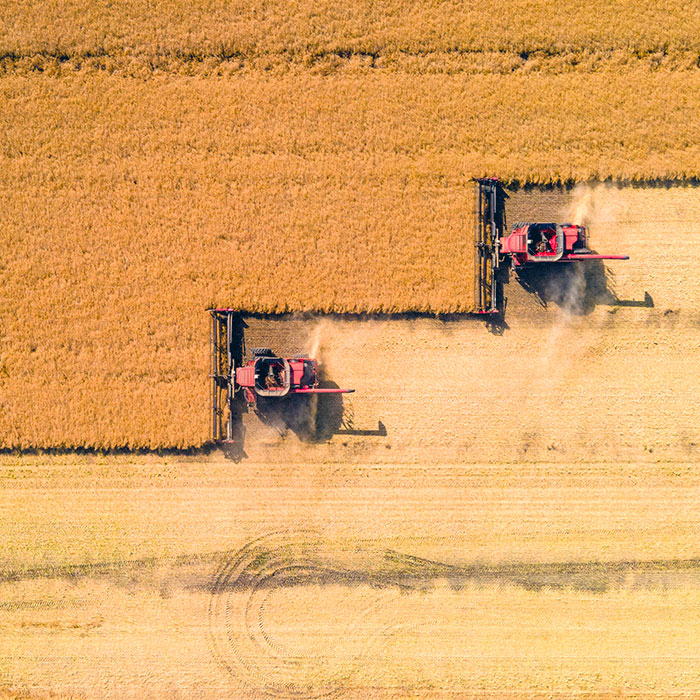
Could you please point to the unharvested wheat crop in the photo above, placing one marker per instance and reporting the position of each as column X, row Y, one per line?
column 127, row 207
column 166, row 35
column 297, row 157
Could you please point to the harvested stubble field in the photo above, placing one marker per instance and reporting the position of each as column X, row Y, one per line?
column 147, row 578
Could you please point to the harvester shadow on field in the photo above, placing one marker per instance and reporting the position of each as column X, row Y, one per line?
column 576, row 288
column 312, row 419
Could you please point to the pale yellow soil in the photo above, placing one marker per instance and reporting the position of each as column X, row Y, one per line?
column 121, row 580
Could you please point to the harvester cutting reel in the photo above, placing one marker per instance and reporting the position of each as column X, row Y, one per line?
column 489, row 227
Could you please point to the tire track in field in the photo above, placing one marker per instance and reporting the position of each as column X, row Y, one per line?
column 317, row 563
column 293, row 615
column 244, row 645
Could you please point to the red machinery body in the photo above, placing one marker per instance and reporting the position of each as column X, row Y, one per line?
column 264, row 376
column 536, row 243
column 529, row 245
column 276, row 377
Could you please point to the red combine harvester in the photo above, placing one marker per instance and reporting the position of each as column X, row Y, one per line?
column 528, row 245
column 532, row 244
column 264, row 375
column 275, row 377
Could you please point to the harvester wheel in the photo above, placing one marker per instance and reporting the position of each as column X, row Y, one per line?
column 261, row 352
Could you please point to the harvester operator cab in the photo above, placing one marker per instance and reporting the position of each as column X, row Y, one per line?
column 271, row 375
column 545, row 243
column 541, row 239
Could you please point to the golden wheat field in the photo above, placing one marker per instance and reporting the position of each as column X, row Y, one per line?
column 128, row 207
column 505, row 507
column 169, row 34
column 155, row 160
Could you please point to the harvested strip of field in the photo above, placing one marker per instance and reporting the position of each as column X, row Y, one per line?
column 154, row 576
column 105, row 345
column 71, row 516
